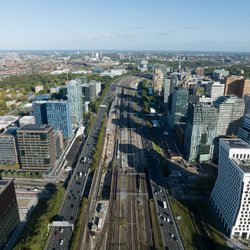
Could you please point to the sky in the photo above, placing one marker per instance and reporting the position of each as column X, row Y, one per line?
column 193, row 25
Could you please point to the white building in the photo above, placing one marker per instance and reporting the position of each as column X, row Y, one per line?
column 215, row 89
column 38, row 88
column 143, row 65
column 231, row 193
column 113, row 72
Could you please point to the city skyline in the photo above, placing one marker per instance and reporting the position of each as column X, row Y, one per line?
column 112, row 25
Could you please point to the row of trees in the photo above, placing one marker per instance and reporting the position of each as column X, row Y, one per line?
column 34, row 234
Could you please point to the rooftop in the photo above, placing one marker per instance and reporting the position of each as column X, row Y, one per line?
column 35, row 127
column 7, row 120
column 236, row 143
column 244, row 164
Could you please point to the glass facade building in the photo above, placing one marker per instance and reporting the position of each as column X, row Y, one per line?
column 56, row 113
column 200, row 131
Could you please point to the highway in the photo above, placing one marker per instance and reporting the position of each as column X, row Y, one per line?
column 59, row 236
column 169, row 231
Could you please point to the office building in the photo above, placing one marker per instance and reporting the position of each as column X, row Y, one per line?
column 200, row 72
column 215, row 90
column 143, row 67
column 231, row 193
column 56, row 113
column 9, row 215
column 74, row 95
column 8, row 150
column 244, row 131
column 200, row 131
column 247, row 104
column 237, row 85
column 36, row 145
column 166, row 91
column 178, row 107
column 230, row 114
column 90, row 91
column 220, row 74
column 39, row 112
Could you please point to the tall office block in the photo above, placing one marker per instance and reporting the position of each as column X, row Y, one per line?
column 230, row 114
column 244, row 131
column 56, row 113
column 74, row 94
column 36, row 145
column 200, row 131
column 237, row 85
column 39, row 112
column 96, row 86
column 9, row 215
column 179, row 105
column 166, row 91
column 90, row 91
column 215, row 90
column 231, row 193
column 8, row 150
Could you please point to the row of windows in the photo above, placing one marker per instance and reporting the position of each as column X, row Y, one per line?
column 244, row 156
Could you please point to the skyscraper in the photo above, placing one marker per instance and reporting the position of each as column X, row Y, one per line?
column 200, row 131
column 36, row 145
column 56, row 113
column 166, row 91
column 231, row 193
column 178, row 108
column 230, row 114
column 74, row 94
column 237, row 85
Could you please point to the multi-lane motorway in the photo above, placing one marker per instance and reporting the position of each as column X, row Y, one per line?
column 59, row 236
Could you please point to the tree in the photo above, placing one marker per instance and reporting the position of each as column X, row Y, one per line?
column 2, row 105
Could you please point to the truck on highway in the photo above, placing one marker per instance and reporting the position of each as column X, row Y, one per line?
column 164, row 204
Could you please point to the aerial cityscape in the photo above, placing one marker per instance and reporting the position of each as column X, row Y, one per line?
column 124, row 125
